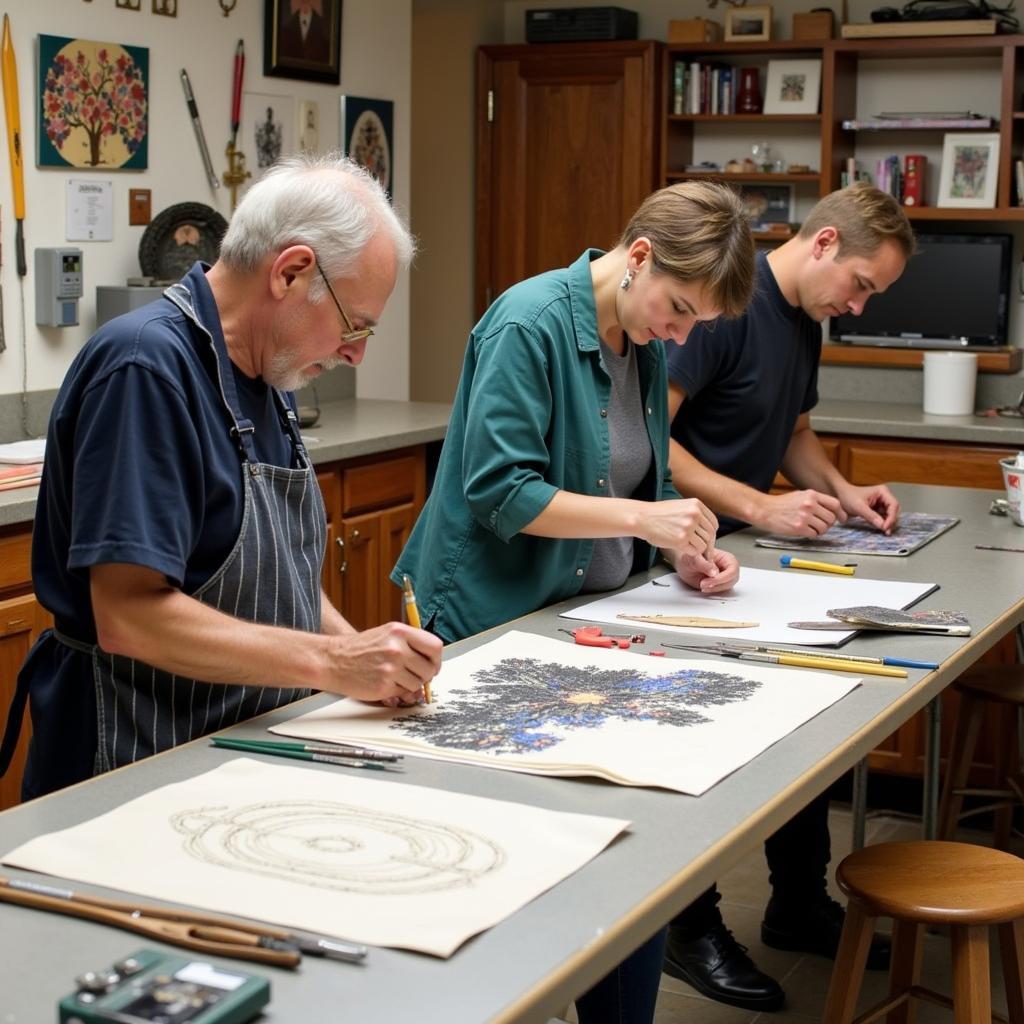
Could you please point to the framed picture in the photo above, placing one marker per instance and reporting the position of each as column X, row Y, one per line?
column 751, row 23
column 268, row 128
column 767, row 206
column 970, row 169
column 302, row 39
column 93, row 105
column 366, row 135
column 793, row 87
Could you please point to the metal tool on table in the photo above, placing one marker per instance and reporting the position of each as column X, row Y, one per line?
column 593, row 636
column 191, row 929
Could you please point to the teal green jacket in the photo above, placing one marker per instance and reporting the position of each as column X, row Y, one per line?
column 529, row 420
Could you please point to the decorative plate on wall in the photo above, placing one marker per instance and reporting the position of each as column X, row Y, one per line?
column 177, row 237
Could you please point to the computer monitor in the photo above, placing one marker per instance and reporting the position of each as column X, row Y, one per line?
column 954, row 293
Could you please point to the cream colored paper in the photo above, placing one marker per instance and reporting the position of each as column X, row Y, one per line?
column 533, row 704
column 771, row 598
column 318, row 850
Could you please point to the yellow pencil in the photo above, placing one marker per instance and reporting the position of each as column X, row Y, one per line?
column 834, row 665
column 789, row 562
column 412, row 615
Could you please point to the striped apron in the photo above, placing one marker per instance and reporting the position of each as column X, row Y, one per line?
column 271, row 576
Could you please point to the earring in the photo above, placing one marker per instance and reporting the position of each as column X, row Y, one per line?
column 627, row 280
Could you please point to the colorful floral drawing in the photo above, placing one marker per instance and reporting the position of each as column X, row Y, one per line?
column 93, row 104
column 523, row 705
column 914, row 530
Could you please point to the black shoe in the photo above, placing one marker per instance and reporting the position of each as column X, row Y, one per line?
column 815, row 927
column 718, row 967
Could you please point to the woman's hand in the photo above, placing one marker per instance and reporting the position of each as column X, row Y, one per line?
column 683, row 525
column 712, row 575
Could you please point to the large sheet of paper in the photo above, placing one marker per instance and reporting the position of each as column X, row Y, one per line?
column 856, row 537
column 374, row 862
column 533, row 704
column 771, row 598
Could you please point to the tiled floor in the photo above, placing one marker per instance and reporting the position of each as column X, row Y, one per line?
column 805, row 978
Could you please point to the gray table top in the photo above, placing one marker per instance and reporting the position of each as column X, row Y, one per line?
column 534, row 962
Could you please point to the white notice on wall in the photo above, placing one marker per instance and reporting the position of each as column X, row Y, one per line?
column 90, row 210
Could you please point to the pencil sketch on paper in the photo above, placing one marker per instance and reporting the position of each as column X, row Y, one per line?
column 523, row 705
column 856, row 537
column 338, row 846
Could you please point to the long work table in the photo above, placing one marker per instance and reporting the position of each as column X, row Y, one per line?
column 533, row 963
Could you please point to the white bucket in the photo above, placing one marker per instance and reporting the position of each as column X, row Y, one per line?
column 949, row 380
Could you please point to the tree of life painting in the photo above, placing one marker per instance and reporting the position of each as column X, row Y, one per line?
column 94, row 104
column 524, row 704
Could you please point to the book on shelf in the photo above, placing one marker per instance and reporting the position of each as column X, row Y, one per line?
column 889, row 123
column 702, row 88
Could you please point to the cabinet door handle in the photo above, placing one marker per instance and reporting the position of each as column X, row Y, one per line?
column 344, row 561
column 11, row 623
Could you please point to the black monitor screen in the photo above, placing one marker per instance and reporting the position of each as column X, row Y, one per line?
column 956, row 286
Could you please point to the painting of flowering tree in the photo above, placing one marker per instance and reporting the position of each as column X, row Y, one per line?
column 94, row 109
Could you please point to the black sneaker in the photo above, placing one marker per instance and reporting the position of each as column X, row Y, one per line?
column 718, row 967
column 815, row 927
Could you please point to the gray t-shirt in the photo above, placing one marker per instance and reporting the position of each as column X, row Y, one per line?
column 630, row 462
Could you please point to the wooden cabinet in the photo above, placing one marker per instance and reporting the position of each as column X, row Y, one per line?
column 566, row 151
column 22, row 619
column 372, row 504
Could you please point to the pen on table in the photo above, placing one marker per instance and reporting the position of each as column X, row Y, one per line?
column 863, row 659
column 197, row 127
column 300, row 755
column 797, row 660
column 412, row 613
column 334, row 750
column 789, row 562
column 996, row 547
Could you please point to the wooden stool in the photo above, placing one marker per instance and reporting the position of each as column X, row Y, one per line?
column 979, row 687
column 966, row 887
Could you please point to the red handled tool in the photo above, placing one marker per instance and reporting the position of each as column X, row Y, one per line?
column 591, row 636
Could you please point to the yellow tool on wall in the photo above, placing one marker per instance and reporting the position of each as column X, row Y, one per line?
column 12, row 112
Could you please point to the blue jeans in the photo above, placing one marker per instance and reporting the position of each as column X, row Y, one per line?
column 627, row 995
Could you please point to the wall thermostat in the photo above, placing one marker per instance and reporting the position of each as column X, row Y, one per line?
column 58, row 286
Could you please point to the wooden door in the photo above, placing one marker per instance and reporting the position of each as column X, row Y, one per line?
column 22, row 619
column 566, row 151
column 361, row 574
column 396, row 525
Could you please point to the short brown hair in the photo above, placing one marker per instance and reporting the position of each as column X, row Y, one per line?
column 865, row 218
column 699, row 232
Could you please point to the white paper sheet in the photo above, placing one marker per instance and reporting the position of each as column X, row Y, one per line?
column 374, row 862
column 772, row 598
column 537, row 705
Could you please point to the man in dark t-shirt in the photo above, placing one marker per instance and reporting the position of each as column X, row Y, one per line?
column 740, row 395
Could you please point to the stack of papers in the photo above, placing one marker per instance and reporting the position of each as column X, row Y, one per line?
column 21, row 463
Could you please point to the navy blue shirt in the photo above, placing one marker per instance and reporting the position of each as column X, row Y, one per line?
column 746, row 382
column 140, row 468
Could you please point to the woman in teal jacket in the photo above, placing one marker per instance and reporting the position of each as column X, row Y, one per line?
column 554, row 476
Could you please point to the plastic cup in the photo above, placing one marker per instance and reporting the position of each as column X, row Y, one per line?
column 949, row 380
column 1013, row 478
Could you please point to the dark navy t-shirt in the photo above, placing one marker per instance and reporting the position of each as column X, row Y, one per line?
column 140, row 468
column 746, row 383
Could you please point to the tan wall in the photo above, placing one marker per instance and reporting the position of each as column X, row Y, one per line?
column 445, row 35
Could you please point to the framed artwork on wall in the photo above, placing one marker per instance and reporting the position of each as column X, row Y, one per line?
column 367, row 135
column 970, row 169
column 302, row 39
column 793, row 87
column 93, row 105
column 268, row 130
column 749, row 23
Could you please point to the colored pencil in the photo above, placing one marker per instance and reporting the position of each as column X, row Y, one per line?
column 333, row 749
column 299, row 755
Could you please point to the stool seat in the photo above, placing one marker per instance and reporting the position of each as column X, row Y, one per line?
column 936, row 882
column 1002, row 684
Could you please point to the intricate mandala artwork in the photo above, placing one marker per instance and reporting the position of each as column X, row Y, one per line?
column 856, row 537
column 338, row 846
column 524, row 705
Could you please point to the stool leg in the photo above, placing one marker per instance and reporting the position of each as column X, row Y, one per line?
column 848, row 972
column 1008, row 767
column 961, row 753
column 1011, row 946
column 905, row 971
column 972, row 1000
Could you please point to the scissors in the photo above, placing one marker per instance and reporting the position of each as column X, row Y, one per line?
column 190, row 929
column 591, row 636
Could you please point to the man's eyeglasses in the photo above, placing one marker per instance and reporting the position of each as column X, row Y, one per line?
column 351, row 335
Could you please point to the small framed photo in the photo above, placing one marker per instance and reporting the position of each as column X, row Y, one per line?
column 768, row 207
column 302, row 39
column 367, row 136
column 970, row 169
column 793, row 87
column 748, row 23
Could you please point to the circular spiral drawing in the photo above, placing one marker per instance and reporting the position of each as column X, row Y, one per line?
column 338, row 846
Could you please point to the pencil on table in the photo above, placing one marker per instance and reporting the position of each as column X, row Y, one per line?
column 412, row 614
